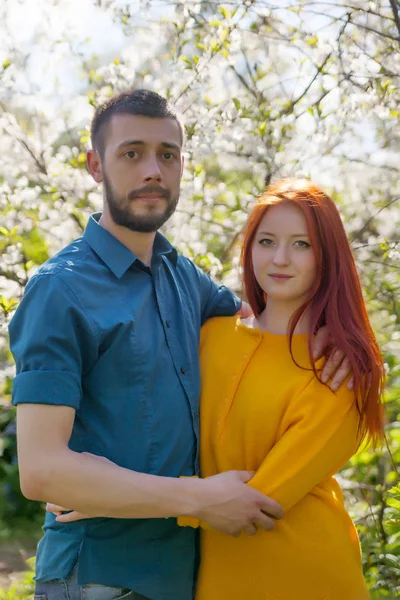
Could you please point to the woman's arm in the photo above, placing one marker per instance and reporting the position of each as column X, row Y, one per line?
column 317, row 436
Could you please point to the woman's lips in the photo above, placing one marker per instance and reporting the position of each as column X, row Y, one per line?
column 280, row 276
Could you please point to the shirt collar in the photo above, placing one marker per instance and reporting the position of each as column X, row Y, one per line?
column 115, row 255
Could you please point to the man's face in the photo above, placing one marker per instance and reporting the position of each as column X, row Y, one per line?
column 141, row 169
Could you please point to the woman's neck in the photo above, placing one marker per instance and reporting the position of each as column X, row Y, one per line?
column 276, row 316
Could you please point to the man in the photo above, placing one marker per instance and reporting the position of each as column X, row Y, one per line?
column 105, row 342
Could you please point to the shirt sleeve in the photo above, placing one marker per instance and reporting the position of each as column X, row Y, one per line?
column 317, row 436
column 52, row 344
column 216, row 300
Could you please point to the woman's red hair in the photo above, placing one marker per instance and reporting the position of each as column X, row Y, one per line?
column 336, row 298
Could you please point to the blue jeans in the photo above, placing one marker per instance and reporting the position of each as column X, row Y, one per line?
column 71, row 590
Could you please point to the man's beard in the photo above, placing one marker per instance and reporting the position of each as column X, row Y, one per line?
column 121, row 213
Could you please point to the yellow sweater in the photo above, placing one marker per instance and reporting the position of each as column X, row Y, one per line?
column 260, row 412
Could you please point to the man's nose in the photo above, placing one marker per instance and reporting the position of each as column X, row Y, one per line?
column 152, row 170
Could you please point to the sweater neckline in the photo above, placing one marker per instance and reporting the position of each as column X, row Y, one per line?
column 267, row 334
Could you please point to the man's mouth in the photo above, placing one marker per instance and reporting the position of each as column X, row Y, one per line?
column 150, row 197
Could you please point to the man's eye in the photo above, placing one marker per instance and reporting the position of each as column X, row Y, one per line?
column 131, row 154
column 168, row 155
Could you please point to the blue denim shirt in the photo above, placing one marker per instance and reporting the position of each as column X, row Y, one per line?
column 101, row 332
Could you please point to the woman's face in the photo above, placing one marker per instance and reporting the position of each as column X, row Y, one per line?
column 283, row 260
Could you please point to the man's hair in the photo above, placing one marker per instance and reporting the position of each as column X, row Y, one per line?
column 144, row 103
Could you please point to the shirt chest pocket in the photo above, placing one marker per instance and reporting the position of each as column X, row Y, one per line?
column 129, row 354
column 118, row 358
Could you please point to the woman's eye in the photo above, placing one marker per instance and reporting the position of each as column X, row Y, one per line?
column 302, row 244
column 266, row 242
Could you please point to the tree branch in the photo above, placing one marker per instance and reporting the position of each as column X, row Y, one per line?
column 244, row 82
column 13, row 277
column 41, row 166
column 367, row 223
column 395, row 10
column 304, row 92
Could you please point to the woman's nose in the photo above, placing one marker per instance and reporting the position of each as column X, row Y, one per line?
column 281, row 256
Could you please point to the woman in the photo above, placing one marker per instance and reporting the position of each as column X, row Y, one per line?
column 264, row 408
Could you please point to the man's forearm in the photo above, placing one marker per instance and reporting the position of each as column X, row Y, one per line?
column 101, row 488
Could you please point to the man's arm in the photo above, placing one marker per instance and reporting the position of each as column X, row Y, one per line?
column 55, row 344
column 50, row 471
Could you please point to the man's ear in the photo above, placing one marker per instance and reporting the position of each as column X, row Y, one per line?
column 93, row 161
column 183, row 165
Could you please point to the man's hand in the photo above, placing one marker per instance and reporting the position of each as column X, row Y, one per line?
column 245, row 310
column 230, row 506
column 223, row 501
column 337, row 365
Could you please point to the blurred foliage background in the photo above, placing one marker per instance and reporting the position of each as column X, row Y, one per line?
column 266, row 90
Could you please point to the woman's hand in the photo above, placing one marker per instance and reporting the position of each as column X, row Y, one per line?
column 65, row 515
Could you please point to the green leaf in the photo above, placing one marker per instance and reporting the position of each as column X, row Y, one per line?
column 312, row 41
column 186, row 60
column 7, row 305
column 394, row 503
column 225, row 12
column 34, row 247
column 262, row 126
column 236, row 102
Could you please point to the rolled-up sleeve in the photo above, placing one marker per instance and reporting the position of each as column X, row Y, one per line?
column 52, row 342
column 216, row 300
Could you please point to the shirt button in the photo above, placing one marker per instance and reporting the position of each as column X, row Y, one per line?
column 183, row 370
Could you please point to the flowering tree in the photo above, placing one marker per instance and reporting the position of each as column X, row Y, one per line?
column 265, row 90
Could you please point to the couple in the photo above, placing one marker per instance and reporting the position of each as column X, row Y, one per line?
column 106, row 345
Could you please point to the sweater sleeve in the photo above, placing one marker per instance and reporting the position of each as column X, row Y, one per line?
column 317, row 436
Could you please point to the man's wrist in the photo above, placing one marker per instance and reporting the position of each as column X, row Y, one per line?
column 192, row 496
